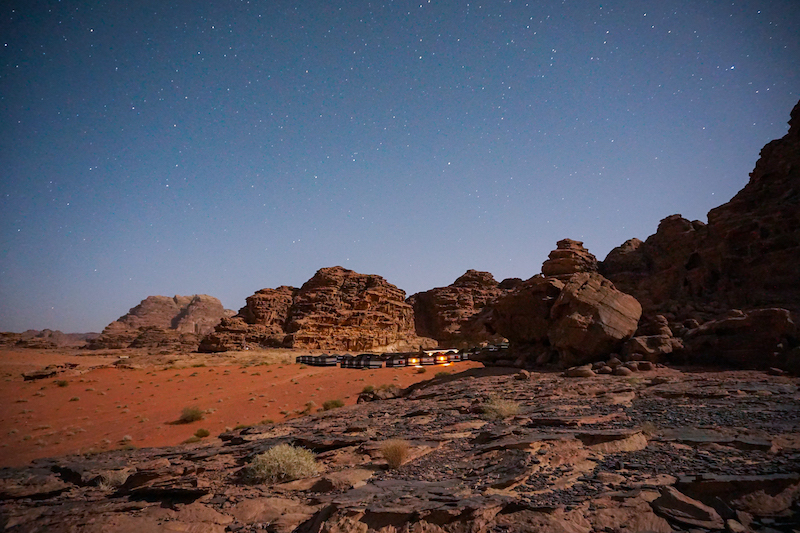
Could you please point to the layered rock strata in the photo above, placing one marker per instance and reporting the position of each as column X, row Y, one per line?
column 163, row 322
column 460, row 314
column 337, row 309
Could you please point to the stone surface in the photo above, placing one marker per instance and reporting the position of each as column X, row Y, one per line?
column 163, row 322
column 575, row 458
column 337, row 309
column 459, row 314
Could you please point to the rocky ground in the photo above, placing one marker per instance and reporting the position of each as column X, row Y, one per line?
column 662, row 450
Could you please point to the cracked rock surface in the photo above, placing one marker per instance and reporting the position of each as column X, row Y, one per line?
column 663, row 450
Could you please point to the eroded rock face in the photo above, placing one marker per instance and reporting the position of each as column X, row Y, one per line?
column 342, row 309
column 161, row 321
column 578, row 313
column 459, row 314
column 747, row 256
column 337, row 309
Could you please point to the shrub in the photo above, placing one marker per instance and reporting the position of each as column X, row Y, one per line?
column 74, row 399
column 190, row 414
column 442, row 374
column 191, row 440
column 421, row 370
column 368, row 389
column 202, row 433
column 395, row 451
column 111, row 479
column 282, row 463
column 331, row 404
column 498, row 408
column 62, row 383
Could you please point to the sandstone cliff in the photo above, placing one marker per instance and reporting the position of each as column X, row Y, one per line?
column 163, row 322
column 746, row 258
column 460, row 314
column 337, row 309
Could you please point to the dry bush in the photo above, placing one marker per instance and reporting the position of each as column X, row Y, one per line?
column 395, row 451
column 498, row 408
column 331, row 404
column 112, row 479
column 282, row 463
column 190, row 414
column 202, row 433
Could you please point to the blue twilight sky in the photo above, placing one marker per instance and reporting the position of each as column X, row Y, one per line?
column 221, row 147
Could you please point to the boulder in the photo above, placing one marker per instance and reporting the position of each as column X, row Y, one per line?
column 590, row 319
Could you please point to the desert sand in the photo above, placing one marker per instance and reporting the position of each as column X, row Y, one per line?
column 118, row 399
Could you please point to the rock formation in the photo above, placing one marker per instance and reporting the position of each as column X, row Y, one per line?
column 337, row 309
column 45, row 339
column 164, row 322
column 575, row 312
column 460, row 314
column 746, row 258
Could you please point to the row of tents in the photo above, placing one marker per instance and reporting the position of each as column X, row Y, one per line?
column 395, row 360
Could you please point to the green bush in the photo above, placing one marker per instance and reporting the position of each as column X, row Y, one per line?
column 421, row 370
column 62, row 383
column 332, row 404
column 202, row 433
column 190, row 414
column 368, row 389
column 282, row 463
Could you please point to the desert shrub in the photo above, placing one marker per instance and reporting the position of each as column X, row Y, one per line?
column 395, row 451
column 331, row 404
column 368, row 389
column 498, row 408
column 62, row 383
column 442, row 374
column 74, row 399
column 190, row 414
column 202, row 433
column 111, row 479
column 282, row 463
column 192, row 440
column 421, row 370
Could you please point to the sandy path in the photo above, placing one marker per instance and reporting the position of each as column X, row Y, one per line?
column 107, row 408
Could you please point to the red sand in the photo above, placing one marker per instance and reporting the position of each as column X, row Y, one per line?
column 106, row 408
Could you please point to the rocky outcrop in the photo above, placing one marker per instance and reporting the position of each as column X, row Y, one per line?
column 46, row 339
column 460, row 314
column 665, row 452
column 576, row 314
column 163, row 322
column 569, row 257
column 337, row 309
column 747, row 257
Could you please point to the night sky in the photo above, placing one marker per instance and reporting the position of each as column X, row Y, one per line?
column 222, row 147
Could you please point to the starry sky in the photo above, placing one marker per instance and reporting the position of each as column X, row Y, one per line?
column 221, row 147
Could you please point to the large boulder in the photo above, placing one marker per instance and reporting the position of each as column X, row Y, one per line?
column 578, row 314
column 590, row 319
column 459, row 314
column 160, row 321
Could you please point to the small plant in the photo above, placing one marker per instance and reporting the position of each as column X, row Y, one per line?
column 442, row 374
column 368, row 389
column 111, row 479
column 62, row 382
column 242, row 426
column 74, row 399
column 192, row 440
column 331, row 404
column 395, row 451
column 498, row 408
column 202, row 433
column 648, row 428
column 421, row 370
column 190, row 414
column 282, row 463
column 267, row 421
